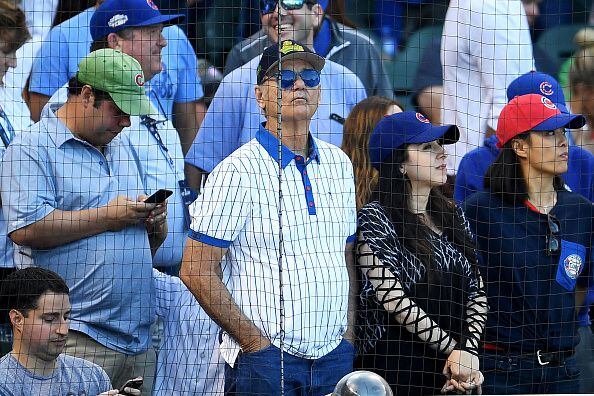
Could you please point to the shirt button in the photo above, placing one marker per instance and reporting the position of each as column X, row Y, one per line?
column 298, row 158
column 308, row 188
column 305, row 173
column 100, row 162
column 311, row 204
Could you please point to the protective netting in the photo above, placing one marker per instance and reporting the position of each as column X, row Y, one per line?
column 263, row 197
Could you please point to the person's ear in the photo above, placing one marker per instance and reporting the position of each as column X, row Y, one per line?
column 318, row 13
column 260, row 97
column 113, row 41
column 87, row 96
column 520, row 147
column 403, row 169
column 17, row 319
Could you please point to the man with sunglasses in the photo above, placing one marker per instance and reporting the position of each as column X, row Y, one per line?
column 234, row 118
column 235, row 229
column 534, row 239
column 304, row 21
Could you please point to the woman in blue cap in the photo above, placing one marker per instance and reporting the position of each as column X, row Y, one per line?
column 424, row 307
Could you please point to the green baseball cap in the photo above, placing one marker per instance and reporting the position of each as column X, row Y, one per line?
column 119, row 75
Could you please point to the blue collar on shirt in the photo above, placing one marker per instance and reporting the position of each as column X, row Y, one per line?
column 57, row 130
column 270, row 144
column 323, row 39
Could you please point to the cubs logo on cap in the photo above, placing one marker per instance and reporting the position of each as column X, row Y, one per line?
column 573, row 265
column 139, row 80
column 422, row 118
column 546, row 88
column 538, row 83
column 547, row 102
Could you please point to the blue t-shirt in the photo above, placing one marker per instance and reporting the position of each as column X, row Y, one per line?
column 109, row 274
column 469, row 179
column 72, row 377
column 531, row 295
column 69, row 42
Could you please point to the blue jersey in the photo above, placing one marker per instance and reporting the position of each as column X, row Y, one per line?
column 531, row 294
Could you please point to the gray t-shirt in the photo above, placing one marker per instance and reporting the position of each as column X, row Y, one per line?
column 72, row 377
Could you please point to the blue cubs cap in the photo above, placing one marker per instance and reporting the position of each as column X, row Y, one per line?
column 115, row 15
column 407, row 127
column 541, row 84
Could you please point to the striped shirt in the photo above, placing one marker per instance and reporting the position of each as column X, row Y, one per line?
column 239, row 211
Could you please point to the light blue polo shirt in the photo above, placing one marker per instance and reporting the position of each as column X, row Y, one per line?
column 6, row 248
column 234, row 118
column 69, row 42
column 109, row 274
column 162, row 166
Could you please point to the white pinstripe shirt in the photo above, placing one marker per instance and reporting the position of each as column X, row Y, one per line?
column 239, row 210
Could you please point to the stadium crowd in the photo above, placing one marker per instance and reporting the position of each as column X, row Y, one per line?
column 167, row 228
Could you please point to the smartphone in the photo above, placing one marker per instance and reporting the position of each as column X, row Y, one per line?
column 159, row 196
column 135, row 383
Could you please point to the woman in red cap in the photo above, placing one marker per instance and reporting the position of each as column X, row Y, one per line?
column 423, row 304
column 533, row 238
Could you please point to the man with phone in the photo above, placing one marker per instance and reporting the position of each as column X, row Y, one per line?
column 37, row 302
column 73, row 198
column 141, row 33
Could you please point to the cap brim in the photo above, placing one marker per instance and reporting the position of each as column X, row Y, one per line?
column 563, row 120
column 313, row 59
column 447, row 134
column 134, row 104
column 166, row 20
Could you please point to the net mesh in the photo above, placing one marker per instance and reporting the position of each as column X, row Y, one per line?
column 308, row 220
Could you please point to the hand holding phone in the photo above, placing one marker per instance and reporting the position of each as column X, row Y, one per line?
column 134, row 383
column 159, row 196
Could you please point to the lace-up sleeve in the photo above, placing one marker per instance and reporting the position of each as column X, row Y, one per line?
column 476, row 307
column 390, row 271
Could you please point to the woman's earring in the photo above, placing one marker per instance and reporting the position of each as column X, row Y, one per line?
column 403, row 169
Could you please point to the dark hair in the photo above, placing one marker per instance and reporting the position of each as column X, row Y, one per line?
column 13, row 27
column 505, row 177
column 355, row 142
column 75, row 87
column 102, row 43
column 394, row 193
column 21, row 289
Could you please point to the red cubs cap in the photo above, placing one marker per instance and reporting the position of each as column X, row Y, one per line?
column 533, row 112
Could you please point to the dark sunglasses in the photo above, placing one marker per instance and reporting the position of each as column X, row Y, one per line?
column 553, row 242
column 268, row 6
column 310, row 77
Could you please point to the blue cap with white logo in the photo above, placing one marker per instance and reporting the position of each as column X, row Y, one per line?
column 541, row 84
column 115, row 15
column 407, row 127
